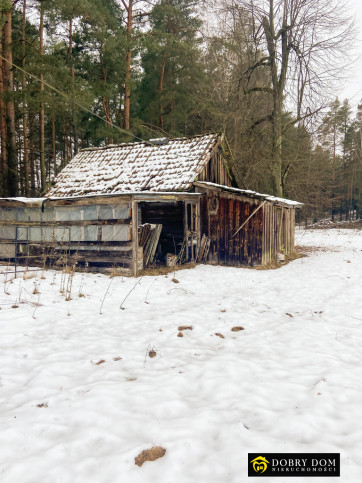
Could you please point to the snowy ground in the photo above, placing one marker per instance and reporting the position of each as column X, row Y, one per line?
column 290, row 382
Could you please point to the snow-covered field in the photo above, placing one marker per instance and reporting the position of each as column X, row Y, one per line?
column 80, row 397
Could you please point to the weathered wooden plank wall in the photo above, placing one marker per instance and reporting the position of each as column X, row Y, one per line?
column 92, row 231
column 221, row 216
column 104, row 231
column 215, row 171
column 278, row 236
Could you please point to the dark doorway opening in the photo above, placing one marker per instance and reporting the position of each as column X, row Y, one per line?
column 171, row 217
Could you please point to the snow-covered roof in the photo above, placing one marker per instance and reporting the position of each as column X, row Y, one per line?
column 252, row 194
column 138, row 195
column 21, row 199
column 172, row 165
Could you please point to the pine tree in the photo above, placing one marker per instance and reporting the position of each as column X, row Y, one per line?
column 172, row 68
column 11, row 170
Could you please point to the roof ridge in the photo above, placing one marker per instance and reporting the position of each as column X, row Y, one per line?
column 123, row 145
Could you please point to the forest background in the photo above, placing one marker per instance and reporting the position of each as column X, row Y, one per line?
column 266, row 72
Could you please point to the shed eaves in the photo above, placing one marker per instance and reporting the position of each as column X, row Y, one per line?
column 172, row 166
column 252, row 194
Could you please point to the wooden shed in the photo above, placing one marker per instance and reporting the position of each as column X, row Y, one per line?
column 141, row 204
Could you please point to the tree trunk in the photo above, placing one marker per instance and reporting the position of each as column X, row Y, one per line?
column 54, row 147
column 4, row 163
column 107, row 112
column 160, row 88
column 25, row 120
column 21, row 170
column 333, row 170
column 12, row 175
column 73, row 86
column 41, row 113
column 105, row 103
column 127, row 87
column 276, row 166
column 31, row 160
column 66, row 151
column 278, row 72
column 120, row 115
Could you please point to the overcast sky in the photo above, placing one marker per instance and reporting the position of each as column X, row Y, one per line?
column 353, row 83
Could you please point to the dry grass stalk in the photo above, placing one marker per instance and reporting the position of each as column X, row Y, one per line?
column 105, row 295
column 134, row 286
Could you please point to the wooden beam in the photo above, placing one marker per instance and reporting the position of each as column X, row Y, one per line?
column 45, row 224
column 135, row 238
column 162, row 197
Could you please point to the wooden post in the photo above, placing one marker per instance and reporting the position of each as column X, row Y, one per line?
column 135, row 237
column 198, row 227
column 192, row 229
column 186, row 232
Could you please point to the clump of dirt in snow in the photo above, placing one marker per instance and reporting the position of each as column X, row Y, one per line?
column 220, row 335
column 238, row 328
column 42, row 405
column 152, row 353
column 149, row 455
column 180, row 334
column 185, row 327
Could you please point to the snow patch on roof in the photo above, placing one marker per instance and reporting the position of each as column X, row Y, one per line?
column 20, row 199
column 254, row 194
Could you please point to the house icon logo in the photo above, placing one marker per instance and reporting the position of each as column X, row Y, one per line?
column 260, row 464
